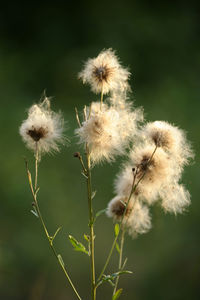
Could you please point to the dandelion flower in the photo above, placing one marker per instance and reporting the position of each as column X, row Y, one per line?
column 43, row 128
column 104, row 73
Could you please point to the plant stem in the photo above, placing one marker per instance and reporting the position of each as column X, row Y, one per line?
column 36, row 164
column 120, row 259
column 120, row 225
column 134, row 186
column 101, row 101
column 91, row 225
column 50, row 239
column 54, row 250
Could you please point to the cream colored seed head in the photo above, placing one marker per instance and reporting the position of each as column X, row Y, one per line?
column 136, row 219
column 42, row 127
column 107, row 131
column 104, row 73
column 139, row 221
column 116, row 208
column 101, row 133
column 156, row 172
column 175, row 198
column 170, row 138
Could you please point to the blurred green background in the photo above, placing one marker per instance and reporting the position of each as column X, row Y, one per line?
column 43, row 46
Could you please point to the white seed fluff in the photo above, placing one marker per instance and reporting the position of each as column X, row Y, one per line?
column 175, row 198
column 42, row 127
column 104, row 73
column 160, row 180
column 116, row 208
column 157, row 172
column 139, row 221
column 171, row 138
column 101, row 133
column 136, row 220
column 108, row 130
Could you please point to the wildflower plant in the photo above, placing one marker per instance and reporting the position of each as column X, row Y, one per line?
column 156, row 154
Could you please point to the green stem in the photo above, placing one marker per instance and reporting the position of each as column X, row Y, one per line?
column 120, row 226
column 54, row 251
column 120, row 259
column 134, row 186
column 35, row 203
column 36, row 164
column 91, row 225
column 101, row 101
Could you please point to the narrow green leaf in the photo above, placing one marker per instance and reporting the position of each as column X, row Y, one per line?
column 36, row 192
column 112, row 277
column 100, row 212
column 55, row 234
column 117, row 248
column 106, row 278
column 61, row 260
column 86, row 237
column 125, row 261
column 111, row 283
column 120, row 273
column 116, row 229
column 29, row 177
column 77, row 245
column 93, row 194
column 84, row 175
column 34, row 213
column 117, row 294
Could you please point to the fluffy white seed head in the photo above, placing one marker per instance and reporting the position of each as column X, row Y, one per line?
column 108, row 130
column 104, row 73
column 170, row 138
column 160, row 181
column 116, row 208
column 129, row 121
column 156, row 168
column 175, row 198
column 130, row 118
column 139, row 221
column 123, row 182
column 42, row 127
column 136, row 219
column 101, row 133
column 157, row 172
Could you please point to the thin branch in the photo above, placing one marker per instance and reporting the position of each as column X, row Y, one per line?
column 133, row 188
column 101, row 100
column 91, row 225
column 120, row 259
column 50, row 239
column 77, row 117
column 36, row 164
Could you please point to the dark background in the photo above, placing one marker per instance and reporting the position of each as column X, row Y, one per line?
column 43, row 46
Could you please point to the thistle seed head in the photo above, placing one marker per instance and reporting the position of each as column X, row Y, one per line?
column 42, row 127
column 104, row 73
